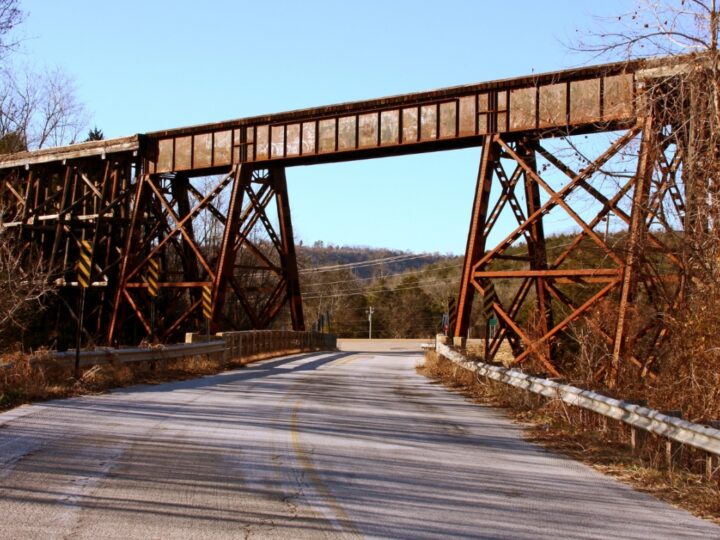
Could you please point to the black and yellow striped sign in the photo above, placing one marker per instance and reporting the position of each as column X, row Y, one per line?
column 452, row 315
column 84, row 266
column 207, row 301
column 153, row 276
column 489, row 298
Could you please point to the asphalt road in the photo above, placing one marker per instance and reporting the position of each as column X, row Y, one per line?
column 344, row 444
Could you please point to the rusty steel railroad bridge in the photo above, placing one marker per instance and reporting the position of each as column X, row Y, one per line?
column 138, row 201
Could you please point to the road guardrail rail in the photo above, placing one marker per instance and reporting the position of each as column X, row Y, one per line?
column 676, row 429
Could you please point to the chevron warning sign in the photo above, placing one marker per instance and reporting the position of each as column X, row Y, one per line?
column 452, row 315
column 207, row 301
column 152, row 276
column 84, row 266
column 489, row 298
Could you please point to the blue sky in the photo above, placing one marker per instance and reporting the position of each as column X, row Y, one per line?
column 150, row 65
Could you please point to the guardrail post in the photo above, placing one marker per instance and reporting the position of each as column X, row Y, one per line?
column 712, row 464
column 712, row 461
column 638, row 436
column 637, row 439
column 672, row 448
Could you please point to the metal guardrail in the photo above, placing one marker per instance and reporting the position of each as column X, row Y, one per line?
column 231, row 345
column 696, row 435
column 136, row 354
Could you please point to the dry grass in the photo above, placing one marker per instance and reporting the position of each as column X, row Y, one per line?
column 45, row 379
column 591, row 439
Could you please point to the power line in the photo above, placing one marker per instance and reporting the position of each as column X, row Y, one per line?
column 373, row 262
column 408, row 273
column 357, row 292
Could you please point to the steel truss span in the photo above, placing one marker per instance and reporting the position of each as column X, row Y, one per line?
column 194, row 224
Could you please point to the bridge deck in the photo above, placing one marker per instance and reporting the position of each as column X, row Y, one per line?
column 597, row 98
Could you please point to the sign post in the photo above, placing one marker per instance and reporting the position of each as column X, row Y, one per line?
column 153, row 289
column 452, row 317
column 84, row 272
column 207, row 307
column 489, row 298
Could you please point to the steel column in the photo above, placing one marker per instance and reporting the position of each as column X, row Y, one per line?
column 475, row 248
column 287, row 256
column 638, row 223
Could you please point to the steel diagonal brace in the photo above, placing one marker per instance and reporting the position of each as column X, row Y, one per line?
column 603, row 212
column 211, row 207
column 181, row 222
column 608, row 204
column 174, row 326
column 668, row 171
column 506, row 197
column 532, row 345
column 243, row 236
column 274, row 302
column 244, row 301
column 599, row 329
column 260, row 212
column 564, row 192
column 515, row 305
column 258, row 254
column 265, row 195
column 186, row 235
column 554, row 195
column 570, row 318
column 137, row 311
column 507, row 187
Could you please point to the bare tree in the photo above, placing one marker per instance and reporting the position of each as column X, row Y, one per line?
column 687, row 101
column 10, row 17
column 24, row 287
column 654, row 28
column 684, row 99
column 39, row 109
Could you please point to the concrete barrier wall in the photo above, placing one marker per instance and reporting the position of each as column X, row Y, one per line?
column 246, row 346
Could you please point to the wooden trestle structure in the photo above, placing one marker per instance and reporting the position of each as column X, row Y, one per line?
column 209, row 205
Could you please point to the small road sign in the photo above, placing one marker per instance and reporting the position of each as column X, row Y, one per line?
column 207, row 301
column 152, row 276
column 84, row 266
column 489, row 298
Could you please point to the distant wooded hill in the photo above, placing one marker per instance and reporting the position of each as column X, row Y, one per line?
column 387, row 261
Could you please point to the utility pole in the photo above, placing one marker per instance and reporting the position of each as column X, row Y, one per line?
column 370, row 312
column 606, row 219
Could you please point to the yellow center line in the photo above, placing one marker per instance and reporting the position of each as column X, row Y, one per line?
column 347, row 360
column 341, row 517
